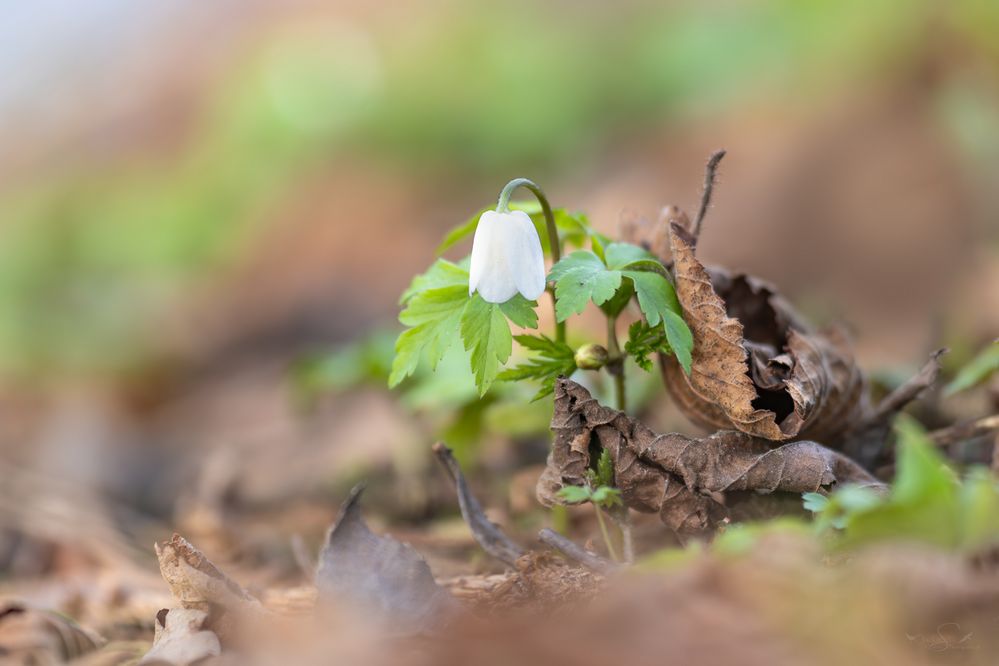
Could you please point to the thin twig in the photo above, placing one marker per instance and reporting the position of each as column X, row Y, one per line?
column 967, row 430
column 591, row 561
column 486, row 533
column 710, row 174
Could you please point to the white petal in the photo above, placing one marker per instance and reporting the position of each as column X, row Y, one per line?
column 527, row 259
column 489, row 271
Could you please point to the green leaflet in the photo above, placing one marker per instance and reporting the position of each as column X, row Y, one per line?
column 550, row 360
column 580, row 278
column 983, row 366
column 486, row 334
column 927, row 503
column 433, row 317
column 584, row 276
column 439, row 311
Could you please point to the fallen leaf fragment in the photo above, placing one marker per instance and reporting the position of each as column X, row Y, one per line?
column 181, row 638
column 677, row 476
column 382, row 576
column 196, row 582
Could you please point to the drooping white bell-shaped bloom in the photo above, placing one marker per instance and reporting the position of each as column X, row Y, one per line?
column 506, row 258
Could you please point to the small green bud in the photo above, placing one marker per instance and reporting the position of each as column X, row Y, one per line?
column 591, row 357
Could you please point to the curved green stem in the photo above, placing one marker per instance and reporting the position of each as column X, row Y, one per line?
column 554, row 245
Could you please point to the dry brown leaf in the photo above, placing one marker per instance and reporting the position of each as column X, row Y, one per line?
column 379, row 575
column 756, row 365
column 196, row 582
column 181, row 638
column 677, row 476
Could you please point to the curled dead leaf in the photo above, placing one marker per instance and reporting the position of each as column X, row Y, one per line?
column 757, row 367
column 677, row 476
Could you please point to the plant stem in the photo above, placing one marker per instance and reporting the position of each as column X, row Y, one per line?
column 622, row 519
column 616, row 367
column 603, row 531
column 554, row 244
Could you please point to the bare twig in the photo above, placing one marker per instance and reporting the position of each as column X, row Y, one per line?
column 911, row 389
column 486, row 533
column 967, row 430
column 710, row 174
column 574, row 552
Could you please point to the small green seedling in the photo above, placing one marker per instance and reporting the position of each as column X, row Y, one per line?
column 473, row 302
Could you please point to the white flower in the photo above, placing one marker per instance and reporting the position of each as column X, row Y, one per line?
column 506, row 258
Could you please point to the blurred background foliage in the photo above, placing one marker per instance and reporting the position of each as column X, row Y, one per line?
column 95, row 254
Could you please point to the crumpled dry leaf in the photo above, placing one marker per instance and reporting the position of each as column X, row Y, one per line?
column 756, row 366
column 181, row 638
column 197, row 583
column 680, row 477
column 384, row 576
column 30, row 636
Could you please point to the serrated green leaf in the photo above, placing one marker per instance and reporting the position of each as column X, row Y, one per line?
column 574, row 494
column 655, row 295
column 521, row 311
column 620, row 255
column 580, row 278
column 442, row 273
column 680, row 339
column 605, row 469
column 980, row 368
column 551, row 360
column 433, row 316
column 486, row 334
column 643, row 341
column 606, row 497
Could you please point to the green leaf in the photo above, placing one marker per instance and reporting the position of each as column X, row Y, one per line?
column 605, row 469
column 521, row 311
column 433, row 316
column 551, row 360
column 486, row 334
column 814, row 502
column 606, row 497
column 574, row 494
column 442, row 273
column 580, row 278
column 460, row 232
column 655, row 295
column 923, row 505
column 680, row 339
column 983, row 366
column 621, row 255
column 645, row 340
column 979, row 509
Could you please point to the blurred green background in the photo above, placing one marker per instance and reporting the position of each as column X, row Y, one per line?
column 158, row 165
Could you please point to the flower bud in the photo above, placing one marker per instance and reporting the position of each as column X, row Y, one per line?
column 591, row 357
